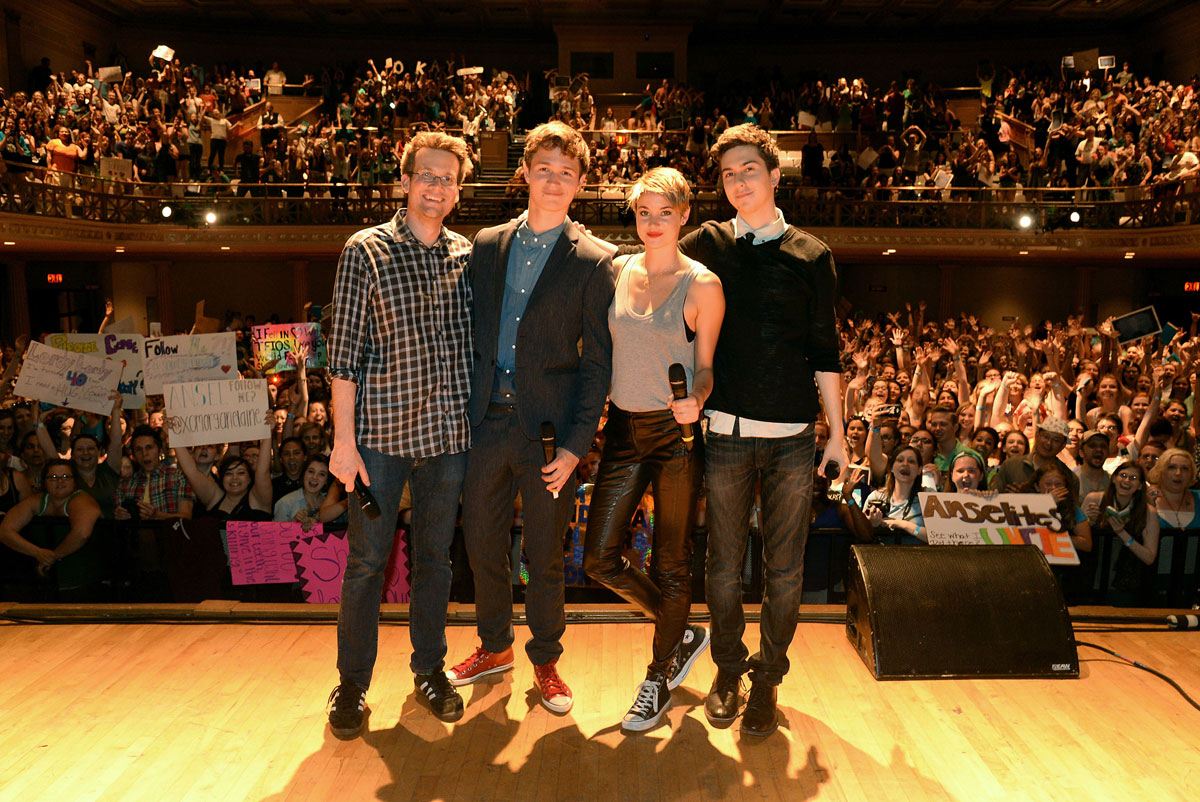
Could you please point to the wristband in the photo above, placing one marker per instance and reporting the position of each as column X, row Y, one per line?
column 876, row 429
column 1129, row 543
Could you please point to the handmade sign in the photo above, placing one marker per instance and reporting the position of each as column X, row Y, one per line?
column 275, row 346
column 202, row 413
column 954, row 519
column 125, row 348
column 321, row 561
column 68, row 379
column 188, row 357
column 260, row 552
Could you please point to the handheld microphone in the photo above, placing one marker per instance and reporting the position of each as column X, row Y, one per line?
column 1183, row 622
column 370, row 506
column 549, row 446
column 677, row 378
column 832, row 470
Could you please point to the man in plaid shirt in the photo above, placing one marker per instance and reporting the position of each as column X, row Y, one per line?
column 400, row 359
column 158, row 490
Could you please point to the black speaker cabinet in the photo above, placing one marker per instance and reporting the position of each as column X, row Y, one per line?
column 927, row 612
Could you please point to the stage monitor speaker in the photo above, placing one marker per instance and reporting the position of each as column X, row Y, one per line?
column 928, row 612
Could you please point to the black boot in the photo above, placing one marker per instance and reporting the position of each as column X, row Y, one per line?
column 759, row 717
column 721, row 706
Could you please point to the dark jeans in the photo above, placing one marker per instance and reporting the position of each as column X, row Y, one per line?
column 216, row 151
column 436, row 488
column 784, row 466
column 640, row 449
column 501, row 462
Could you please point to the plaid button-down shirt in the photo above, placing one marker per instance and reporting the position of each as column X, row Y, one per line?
column 402, row 333
column 168, row 486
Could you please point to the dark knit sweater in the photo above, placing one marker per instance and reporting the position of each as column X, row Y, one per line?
column 779, row 326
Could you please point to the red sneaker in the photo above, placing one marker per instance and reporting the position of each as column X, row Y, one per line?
column 479, row 665
column 556, row 696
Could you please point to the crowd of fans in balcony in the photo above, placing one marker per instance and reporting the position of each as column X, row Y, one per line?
column 1101, row 129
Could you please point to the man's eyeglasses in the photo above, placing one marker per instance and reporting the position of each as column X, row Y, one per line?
column 446, row 181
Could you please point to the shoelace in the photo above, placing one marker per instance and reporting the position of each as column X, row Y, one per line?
column 466, row 665
column 549, row 681
column 646, row 703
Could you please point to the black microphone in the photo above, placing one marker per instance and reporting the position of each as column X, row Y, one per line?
column 832, row 470
column 370, row 506
column 549, row 446
column 677, row 378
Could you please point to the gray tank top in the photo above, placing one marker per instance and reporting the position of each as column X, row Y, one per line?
column 645, row 346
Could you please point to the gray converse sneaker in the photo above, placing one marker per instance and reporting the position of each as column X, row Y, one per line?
column 651, row 704
column 695, row 640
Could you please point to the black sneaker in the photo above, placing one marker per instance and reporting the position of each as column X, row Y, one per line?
column 440, row 695
column 347, row 707
column 759, row 717
column 651, row 704
column 695, row 640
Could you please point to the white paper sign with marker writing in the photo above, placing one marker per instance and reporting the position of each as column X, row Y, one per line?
column 189, row 358
column 68, row 379
column 203, row 413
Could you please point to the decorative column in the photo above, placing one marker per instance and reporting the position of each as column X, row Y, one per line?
column 299, row 268
column 945, row 290
column 166, row 303
column 18, row 294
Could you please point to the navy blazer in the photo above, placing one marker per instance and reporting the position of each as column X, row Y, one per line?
column 564, row 348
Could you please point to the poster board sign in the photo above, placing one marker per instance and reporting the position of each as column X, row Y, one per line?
column 805, row 119
column 114, row 168
column 125, row 348
column 163, row 52
column 188, row 357
column 206, row 412
column 110, row 75
column 321, row 562
column 867, row 157
column 68, row 379
column 274, row 346
column 965, row 519
column 260, row 552
column 254, row 84
column 1136, row 324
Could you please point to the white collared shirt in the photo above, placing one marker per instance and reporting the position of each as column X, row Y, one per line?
column 723, row 422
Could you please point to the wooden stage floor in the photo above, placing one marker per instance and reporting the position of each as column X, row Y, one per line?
column 232, row 711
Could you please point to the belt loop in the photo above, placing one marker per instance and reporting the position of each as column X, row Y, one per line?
column 737, row 427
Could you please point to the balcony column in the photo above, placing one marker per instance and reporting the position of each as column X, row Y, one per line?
column 299, row 268
column 18, row 295
column 166, row 303
column 1083, row 291
column 945, row 290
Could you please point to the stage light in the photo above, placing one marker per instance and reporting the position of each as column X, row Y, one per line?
column 210, row 217
column 9, row 242
column 224, row 247
column 1025, row 221
column 167, row 211
column 1074, row 216
column 304, row 176
column 1129, row 254
column 119, row 249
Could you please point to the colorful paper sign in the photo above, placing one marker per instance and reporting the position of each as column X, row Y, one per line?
column 957, row 519
column 202, row 413
column 321, row 562
column 188, row 357
column 275, row 346
column 68, row 379
column 126, row 348
column 260, row 552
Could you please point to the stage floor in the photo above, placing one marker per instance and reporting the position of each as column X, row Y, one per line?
column 231, row 711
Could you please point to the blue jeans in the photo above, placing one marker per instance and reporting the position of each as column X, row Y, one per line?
column 436, row 489
column 784, row 467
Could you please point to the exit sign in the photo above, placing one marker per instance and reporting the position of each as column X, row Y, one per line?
column 54, row 278
column 1191, row 286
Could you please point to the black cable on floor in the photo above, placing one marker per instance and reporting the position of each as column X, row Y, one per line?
column 1143, row 667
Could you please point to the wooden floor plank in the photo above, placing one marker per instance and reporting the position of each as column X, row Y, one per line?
column 235, row 711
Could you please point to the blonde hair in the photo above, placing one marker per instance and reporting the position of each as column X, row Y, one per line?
column 1160, row 467
column 665, row 181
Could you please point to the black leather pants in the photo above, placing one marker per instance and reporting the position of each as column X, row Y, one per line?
column 640, row 449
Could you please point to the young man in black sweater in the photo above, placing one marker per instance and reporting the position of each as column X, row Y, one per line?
column 778, row 349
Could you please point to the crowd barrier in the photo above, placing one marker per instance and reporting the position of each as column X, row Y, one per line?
column 197, row 560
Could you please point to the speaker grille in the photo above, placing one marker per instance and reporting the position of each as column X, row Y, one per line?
column 979, row 611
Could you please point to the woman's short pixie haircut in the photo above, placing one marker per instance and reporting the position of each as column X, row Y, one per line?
column 559, row 136
column 747, row 134
column 665, row 181
column 434, row 140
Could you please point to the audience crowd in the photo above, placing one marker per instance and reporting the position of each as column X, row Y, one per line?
column 1108, row 429
column 1099, row 129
